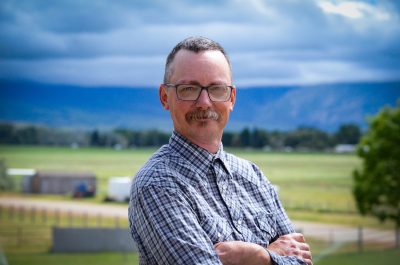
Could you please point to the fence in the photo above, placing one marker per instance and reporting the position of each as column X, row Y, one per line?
column 322, row 207
column 31, row 228
column 44, row 216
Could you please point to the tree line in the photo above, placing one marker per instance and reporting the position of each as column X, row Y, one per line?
column 302, row 138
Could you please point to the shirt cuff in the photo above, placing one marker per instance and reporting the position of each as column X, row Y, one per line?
column 285, row 260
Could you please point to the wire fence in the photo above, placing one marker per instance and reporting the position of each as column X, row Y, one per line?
column 321, row 207
column 31, row 228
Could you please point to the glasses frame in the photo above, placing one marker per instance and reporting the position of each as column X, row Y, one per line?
column 202, row 88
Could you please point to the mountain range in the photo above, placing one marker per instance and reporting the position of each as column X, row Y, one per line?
column 273, row 108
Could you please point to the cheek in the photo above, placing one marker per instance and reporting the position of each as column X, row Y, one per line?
column 179, row 111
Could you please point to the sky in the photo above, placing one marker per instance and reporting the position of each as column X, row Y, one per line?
column 270, row 42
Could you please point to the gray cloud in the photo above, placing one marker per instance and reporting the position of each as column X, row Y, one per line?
column 125, row 42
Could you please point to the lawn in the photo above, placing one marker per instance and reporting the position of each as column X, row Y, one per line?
column 73, row 259
column 313, row 186
column 386, row 257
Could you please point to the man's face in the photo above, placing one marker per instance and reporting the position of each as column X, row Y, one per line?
column 204, row 69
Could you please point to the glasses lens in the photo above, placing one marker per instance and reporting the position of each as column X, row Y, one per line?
column 188, row 92
column 219, row 92
column 192, row 92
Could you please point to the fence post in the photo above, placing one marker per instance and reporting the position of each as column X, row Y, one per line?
column 11, row 212
column 21, row 213
column 360, row 239
column 19, row 236
column 85, row 219
column 69, row 218
column 44, row 216
column 98, row 219
column 33, row 212
column 57, row 217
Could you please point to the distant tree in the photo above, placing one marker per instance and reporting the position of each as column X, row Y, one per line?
column 245, row 137
column 348, row 134
column 95, row 138
column 377, row 184
column 308, row 138
column 227, row 138
column 27, row 135
column 6, row 133
column 6, row 182
column 259, row 138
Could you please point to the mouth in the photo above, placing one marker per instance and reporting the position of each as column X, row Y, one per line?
column 201, row 115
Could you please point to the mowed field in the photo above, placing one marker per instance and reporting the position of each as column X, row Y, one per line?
column 306, row 181
column 312, row 186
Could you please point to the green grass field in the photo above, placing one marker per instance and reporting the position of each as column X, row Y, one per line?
column 313, row 186
column 316, row 183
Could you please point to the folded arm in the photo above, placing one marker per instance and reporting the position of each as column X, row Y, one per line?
column 288, row 249
column 167, row 229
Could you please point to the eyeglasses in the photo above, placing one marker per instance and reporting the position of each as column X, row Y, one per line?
column 216, row 93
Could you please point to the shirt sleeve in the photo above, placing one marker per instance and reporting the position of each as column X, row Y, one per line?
column 168, row 229
column 285, row 260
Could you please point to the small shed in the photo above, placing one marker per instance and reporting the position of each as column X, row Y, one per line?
column 60, row 182
column 345, row 148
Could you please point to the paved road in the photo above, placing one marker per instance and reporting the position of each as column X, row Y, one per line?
column 328, row 232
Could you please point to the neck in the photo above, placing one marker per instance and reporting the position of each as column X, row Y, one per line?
column 211, row 147
column 208, row 142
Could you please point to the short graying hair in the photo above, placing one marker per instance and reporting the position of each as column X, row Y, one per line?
column 194, row 44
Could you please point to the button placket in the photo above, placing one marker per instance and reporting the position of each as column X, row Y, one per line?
column 233, row 206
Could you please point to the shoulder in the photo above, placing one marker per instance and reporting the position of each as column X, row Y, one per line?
column 156, row 170
column 238, row 164
column 245, row 168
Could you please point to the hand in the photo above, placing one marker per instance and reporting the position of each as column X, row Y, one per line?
column 292, row 245
column 239, row 252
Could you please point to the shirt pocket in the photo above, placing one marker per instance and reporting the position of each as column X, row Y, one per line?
column 266, row 222
column 217, row 229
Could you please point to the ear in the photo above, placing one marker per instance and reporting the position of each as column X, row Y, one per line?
column 233, row 98
column 163, row 94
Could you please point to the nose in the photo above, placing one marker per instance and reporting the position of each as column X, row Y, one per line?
column 204, row 100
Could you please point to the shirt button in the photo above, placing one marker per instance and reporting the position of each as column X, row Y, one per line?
column 239, row 222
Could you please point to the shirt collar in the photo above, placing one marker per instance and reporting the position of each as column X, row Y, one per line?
column 199, row 157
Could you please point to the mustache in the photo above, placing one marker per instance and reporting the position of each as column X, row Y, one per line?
column 197, row 115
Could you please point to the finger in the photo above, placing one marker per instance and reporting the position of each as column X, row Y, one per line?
column 298, row 237
column 308, row 261
column 293, row 236
column 306, row 255
column 304, row 246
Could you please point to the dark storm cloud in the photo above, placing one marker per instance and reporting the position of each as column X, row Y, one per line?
column 270, row 42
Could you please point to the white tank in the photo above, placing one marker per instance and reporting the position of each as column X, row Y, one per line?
column 119, row 188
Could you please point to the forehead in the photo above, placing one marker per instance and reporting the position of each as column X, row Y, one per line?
column 209, row 63
column 190, row 56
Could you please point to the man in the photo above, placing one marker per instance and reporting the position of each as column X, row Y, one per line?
column 193, row 203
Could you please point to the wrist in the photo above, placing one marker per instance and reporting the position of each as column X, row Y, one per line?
column 271, row 257
column 265, row 256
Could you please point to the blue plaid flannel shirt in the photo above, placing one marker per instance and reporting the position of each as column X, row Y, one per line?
column 185, row 199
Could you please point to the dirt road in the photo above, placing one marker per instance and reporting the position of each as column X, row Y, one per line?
column 328, row 232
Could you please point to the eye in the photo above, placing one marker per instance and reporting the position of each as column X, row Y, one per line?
column 217, row 88
column 187, row 88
